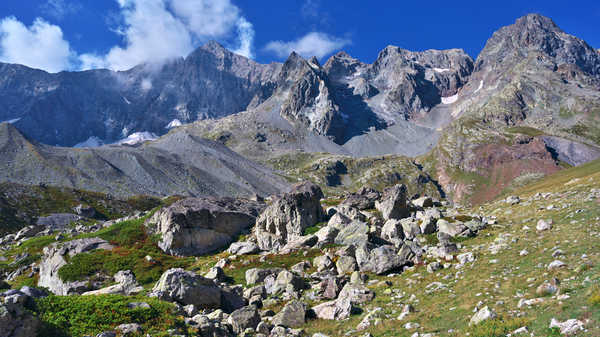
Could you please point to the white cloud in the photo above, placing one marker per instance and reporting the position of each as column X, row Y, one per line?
column 312, row 44
column 156, row 30
column 40, row 45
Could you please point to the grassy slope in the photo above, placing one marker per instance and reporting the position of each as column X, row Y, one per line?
column 500, row 285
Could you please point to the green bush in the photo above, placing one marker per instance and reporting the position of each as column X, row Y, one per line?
column 90, row 315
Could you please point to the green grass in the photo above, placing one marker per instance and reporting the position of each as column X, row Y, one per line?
column 90, row 315
column 525, row 130
column 313, row 229
column 496, row 328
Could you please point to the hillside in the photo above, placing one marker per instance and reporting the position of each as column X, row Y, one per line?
column 532, row 260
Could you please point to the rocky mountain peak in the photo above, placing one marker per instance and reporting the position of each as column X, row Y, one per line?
column 533, row 35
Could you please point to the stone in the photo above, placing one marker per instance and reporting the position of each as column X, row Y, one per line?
column 465, row 258
column 244, row 318
column 196, row 226
column 353, row 233
column 126, row 285
column 546, row 289
column 28, row 232
column 393, row 203
column 16, row 321
column 453, row 229
column 327, row 234
column 392, row 231
column 216, row 273
column 544, row 225
column 338, row 221
column 287, row 280
column 428, row 225
column 258, row 275
column 185, row 287
column 363, row 199
column 334, row 310
column 382, row 260
column 286, row 218
column 410, row 228
column 129, row 329
column 243, row 248
column 568, row 327
column 357, row 293
column 423, row 202
column 323, row 262
column 513, row 200
column 292, row 315
column 556, row 264
column 483, row 314
column 55, row 257
column 434, row 266
column 345, row 265
column 85, row 211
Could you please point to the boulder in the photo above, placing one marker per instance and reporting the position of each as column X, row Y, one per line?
column 568, row 327
column 243, row 248
column 410, row 228
column 382, row 260
column 197, row 226
column 27, row 232
column 327, row 234
column 356, row 293
column 353, row 233
column 57, row 220
column 244, row 318
column 129, row 329
column 334, row 310
column 483, row 314
column 393, row 203
column 392, row 231
column 126, row 285
column 16, row 321
column 55, row 257
column 451, row 228
column 185, row 287
column 345, row 265
column 363, row 199
column 543, row 225
column 286, row 281
column 286, row 218
column 85, row 211
column 292, row 315
column 258, row 275
column 423, row 202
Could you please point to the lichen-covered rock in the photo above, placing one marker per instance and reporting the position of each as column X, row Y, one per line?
column 292, row 315
column 288, row 216
column 196, row 226
column 244, row 318
column 363, row 199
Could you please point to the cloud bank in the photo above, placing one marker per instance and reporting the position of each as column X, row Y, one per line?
column 312, row 44
column 152, row 31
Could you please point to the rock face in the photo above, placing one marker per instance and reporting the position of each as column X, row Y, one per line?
column 210, row 82
column 196, row 226
column 287, row 217
column 185, row 287
column 54, row 259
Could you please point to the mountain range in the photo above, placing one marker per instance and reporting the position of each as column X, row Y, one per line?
column 528, row 105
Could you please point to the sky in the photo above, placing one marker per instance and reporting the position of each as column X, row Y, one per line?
column 57, row 35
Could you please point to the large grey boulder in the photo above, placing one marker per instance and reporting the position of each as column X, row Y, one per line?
column 196, row 226
column 292, row 315
column 55, row 256
column 288, row 216
column 57, row 220
column 363, row 199
column 338, row 309
column 258, row 275
column 185, row 287
column 244, row 318
column 382, row 260
column 353, row 233
column 392, row 231
column 451, row 228
column 393, row 204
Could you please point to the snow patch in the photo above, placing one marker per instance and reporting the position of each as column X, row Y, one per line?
column 146, row 84
column 450, row 99
column 126, row 100
column 12, row 121
column 173, row 124
column 480, row 86
column 137, row 137
column 93, row 141
column 440, row 70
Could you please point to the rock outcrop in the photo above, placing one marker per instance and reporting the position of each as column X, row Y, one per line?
column 197, row 226
column 286, row 218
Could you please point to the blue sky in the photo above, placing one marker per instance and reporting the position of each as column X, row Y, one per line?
column 81, row 34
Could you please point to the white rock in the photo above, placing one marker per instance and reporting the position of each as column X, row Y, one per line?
column 483, row 314
column 544, row 225
column 556, row 264
column 569, row 327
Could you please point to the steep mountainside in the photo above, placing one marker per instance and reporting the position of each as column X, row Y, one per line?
column 70, row 107
column 535, row 91
column 175, row 164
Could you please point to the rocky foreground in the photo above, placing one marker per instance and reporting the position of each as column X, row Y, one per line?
column 369, row 264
